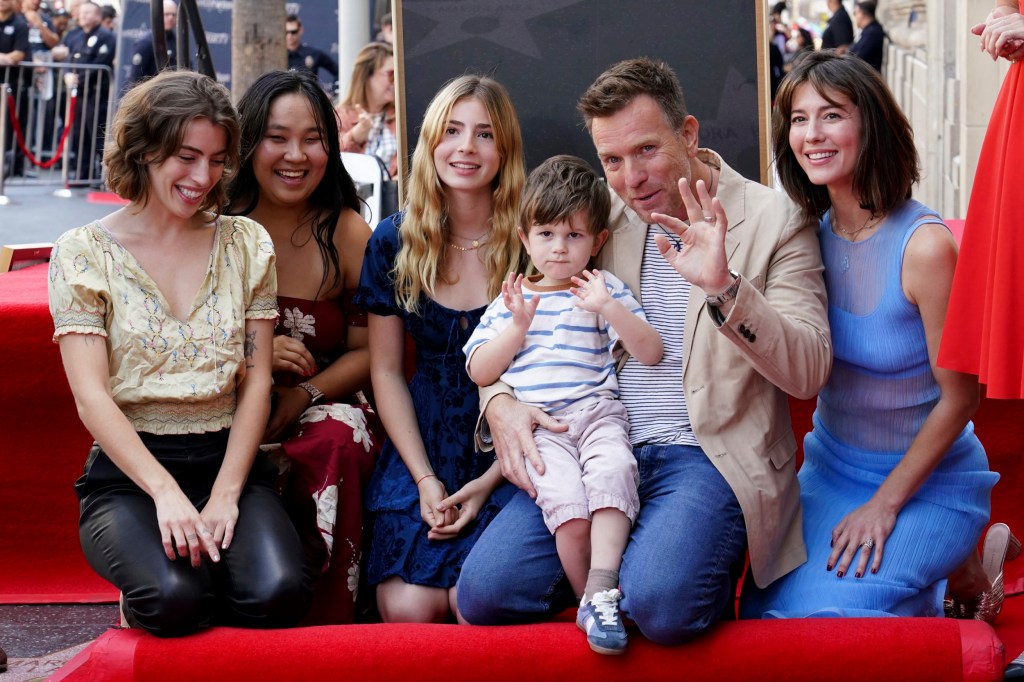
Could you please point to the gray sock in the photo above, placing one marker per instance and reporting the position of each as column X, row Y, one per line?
column 599, row 580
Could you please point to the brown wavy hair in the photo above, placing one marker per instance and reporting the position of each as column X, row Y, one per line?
column 150, row 126
column 887, row 167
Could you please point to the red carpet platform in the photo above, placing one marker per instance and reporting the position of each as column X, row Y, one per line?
column 43, row 449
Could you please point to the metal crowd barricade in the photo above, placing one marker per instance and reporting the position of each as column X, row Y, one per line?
column 54, row 125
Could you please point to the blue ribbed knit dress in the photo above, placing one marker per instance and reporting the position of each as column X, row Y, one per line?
column 878, row 396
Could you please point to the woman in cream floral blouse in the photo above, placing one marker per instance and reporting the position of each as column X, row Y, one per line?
column 164, row 312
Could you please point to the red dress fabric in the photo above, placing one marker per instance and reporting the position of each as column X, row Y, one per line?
column 329, row 457
column 984, row 329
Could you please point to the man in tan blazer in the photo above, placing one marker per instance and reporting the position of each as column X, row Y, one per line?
column 737, row 293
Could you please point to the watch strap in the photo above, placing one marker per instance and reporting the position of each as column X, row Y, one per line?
column 315, row 394
column 727, row 295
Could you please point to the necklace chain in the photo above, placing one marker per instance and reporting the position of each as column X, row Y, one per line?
column 475, row 242
column 476, row 245
column 870, row 222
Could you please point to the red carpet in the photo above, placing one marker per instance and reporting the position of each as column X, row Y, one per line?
column 906, row 649
column 42, row 448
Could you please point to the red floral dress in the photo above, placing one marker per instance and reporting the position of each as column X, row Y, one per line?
column 328, row 459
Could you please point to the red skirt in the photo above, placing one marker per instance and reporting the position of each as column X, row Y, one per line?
column 984, row 330
column 329, row 460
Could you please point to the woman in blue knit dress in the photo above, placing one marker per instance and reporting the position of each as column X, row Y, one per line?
column 895, row 486
column 429, row 273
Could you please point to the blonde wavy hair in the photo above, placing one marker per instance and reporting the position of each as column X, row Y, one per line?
column 425, row 229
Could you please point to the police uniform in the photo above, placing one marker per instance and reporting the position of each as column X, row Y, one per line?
column 35, row 37
column 143, row 62
column 14, row 37
column 313, row 59
column 94, row 47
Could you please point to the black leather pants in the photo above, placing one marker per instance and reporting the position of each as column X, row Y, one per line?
column 260, row 580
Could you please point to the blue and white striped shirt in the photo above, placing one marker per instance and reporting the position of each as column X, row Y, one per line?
column 567, row 358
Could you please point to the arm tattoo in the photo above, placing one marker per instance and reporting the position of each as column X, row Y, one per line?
column 250, row 344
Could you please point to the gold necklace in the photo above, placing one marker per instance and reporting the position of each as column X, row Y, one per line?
column 476, row 245
column 870, row 222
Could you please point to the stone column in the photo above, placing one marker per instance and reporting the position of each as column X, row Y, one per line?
column 353, row 34
column 979, row 82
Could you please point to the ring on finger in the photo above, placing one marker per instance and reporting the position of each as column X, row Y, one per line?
column 191, row 537
column 869, row 543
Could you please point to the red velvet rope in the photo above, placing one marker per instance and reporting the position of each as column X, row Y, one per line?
column 21, row 139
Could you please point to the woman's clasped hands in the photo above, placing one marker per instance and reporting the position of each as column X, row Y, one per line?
column 290, row 355
column 1002, row 33
column 453, row 513
column 185, row 532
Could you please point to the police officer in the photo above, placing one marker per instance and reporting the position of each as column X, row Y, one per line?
column 89, row 43
column 302, row 56
column 144, row 59
column 14, row 48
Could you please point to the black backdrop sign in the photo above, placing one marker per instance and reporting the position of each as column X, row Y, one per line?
column 547, row 52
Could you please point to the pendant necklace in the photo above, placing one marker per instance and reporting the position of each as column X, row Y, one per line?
column 474, row 243
column 870, row 222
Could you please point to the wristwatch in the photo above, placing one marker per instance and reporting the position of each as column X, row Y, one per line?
column 315, row 394
column 727, row 295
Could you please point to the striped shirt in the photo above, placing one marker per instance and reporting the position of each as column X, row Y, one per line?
column 567, row 359
column 653, row 394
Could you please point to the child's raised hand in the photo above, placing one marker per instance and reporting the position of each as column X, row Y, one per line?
column 512, row 296
column 591, row 290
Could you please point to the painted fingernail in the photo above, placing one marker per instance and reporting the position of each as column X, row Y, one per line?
column 840, row 574
column 857, row 574
column 829, row 567
column 874, row 570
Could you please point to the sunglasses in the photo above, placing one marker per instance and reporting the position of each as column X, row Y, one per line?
column 292, row 31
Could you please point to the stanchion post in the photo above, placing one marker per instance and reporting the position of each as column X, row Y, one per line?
column 5, row 89
column 65, row 191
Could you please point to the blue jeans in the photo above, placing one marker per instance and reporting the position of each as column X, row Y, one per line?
column 677, row 573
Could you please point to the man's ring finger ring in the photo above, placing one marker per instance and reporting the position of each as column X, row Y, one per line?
column 869, row 543
column 709, row 218
column 191, row 537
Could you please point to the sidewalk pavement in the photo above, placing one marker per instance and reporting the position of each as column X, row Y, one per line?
column 34, row 214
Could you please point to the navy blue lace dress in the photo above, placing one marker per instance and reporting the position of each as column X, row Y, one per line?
column 446, row 404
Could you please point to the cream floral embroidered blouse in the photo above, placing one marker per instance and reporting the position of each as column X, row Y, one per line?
column 168, row 376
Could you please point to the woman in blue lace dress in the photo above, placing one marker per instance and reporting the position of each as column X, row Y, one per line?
column 895, row 486
column 430, row 272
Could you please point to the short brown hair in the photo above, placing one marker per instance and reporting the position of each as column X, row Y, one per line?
column 560, row 187
column 150, row 126
column 623, row 82
column 887, row 167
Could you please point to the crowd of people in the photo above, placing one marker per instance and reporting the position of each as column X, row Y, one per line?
column 607, row 429
column 792, row 39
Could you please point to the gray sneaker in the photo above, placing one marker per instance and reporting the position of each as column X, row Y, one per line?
column 600, row 619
